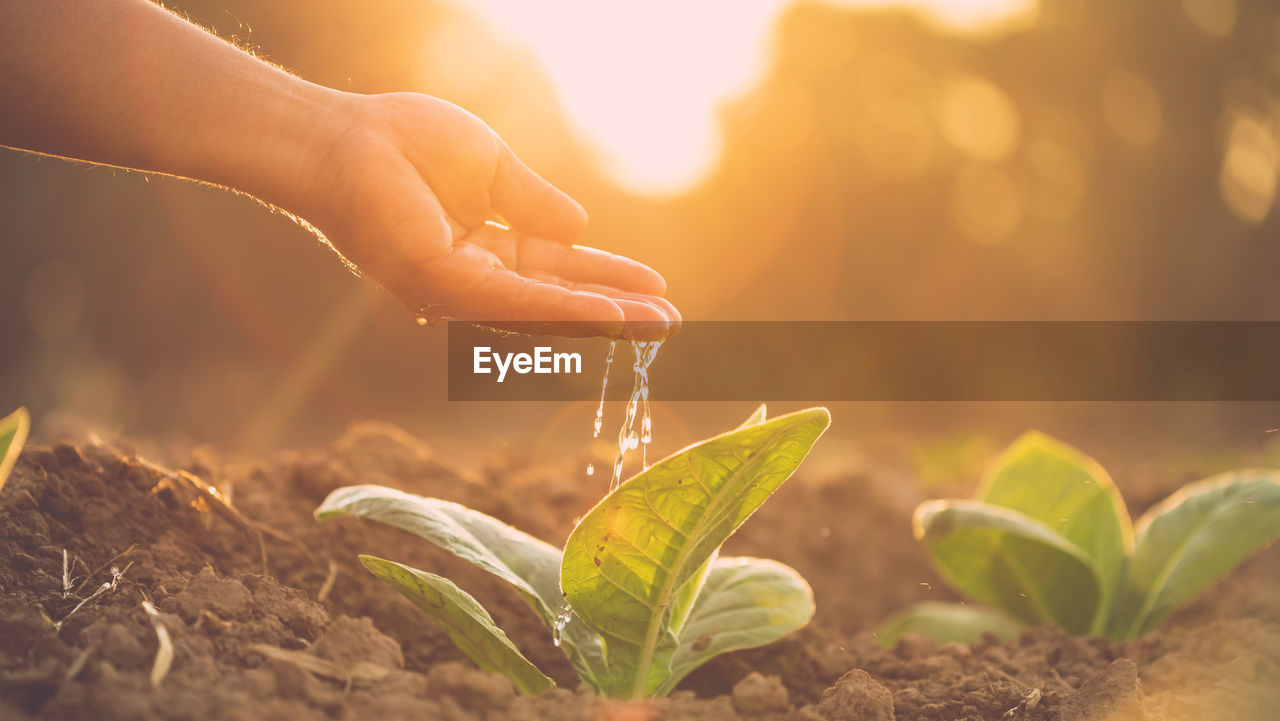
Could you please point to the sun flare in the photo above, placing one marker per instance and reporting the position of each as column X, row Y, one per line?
column 643, row 83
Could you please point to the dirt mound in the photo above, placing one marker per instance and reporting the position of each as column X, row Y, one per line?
column 270, row 615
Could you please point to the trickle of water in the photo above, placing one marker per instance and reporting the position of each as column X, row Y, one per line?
column 629, row 437
column 562, row 620
column 608, row 363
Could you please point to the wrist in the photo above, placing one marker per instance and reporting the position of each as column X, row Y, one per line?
column 339, row 142
column 296, row 133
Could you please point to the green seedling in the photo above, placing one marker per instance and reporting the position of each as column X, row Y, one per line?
column 639, row 597
column 1047, row 538
column 13, row 433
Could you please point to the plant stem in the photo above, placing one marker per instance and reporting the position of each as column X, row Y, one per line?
column 640, row 686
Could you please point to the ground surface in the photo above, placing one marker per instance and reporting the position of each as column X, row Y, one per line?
column 271, row 617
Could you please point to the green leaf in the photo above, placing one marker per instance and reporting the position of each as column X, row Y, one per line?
column 746, row 602
column 1057, row 485
column 758, row 416
column 682, row 601
column 529, row 564
column 1001, row 557
column 948, row 623
column 630, row 555
column 1191, row 539
column 13, row 433
column 465, row 620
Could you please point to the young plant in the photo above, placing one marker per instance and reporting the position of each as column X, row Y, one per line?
column 639, row 597
column 13, row 433
column 1047, row 538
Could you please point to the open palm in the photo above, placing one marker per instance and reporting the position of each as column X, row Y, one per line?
column 426, row 200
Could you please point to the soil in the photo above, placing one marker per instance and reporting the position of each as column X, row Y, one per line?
column 270, row 616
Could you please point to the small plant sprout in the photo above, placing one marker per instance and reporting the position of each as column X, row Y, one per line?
column 639, row 597
column 13, row 433
column 1047, row 538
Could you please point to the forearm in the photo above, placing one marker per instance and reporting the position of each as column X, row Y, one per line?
column 126, row 83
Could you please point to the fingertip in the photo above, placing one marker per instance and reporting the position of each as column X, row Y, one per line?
column 603, row 314
column 644, row 321
column 674, row 320
column 576, row 217
column 649, row 318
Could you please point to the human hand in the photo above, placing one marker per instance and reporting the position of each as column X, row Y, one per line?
column 408, row 188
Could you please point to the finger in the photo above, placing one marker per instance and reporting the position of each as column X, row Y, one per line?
column 673, row 318
column 648, row 317
column 570, row 262
column 531, row 204
column 479, row 289
column 589, row 265
column 644, row 320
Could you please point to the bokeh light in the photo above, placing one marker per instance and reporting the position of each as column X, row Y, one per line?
column 1249, row 165
column 979, row 118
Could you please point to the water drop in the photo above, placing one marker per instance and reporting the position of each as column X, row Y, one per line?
column 591, row 469
column 562, row 620
column 608, row 363
column 431, row 314
column 629, row 437
column 617, row 472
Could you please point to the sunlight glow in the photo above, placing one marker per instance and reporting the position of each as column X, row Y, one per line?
column 644, row 82
column 1249, row 168
column 980, row 119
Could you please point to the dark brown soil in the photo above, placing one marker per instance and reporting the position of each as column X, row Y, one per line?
column 271, row 616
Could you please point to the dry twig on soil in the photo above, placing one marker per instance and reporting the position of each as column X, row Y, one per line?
column 216, row 500
column 164, row 651
column 329, row 580
column 359, row 671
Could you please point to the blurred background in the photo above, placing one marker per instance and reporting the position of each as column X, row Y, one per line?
column 775, row 159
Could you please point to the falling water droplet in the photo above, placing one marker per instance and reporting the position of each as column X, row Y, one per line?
column 562, row 620
column 617, row 473
column 608, row 363
column 591, row 469
column 638, row 405
column 422, row 320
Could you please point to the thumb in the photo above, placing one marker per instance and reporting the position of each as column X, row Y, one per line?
column 531, row 204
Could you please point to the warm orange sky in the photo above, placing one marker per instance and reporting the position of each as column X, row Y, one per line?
column 645, row 87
